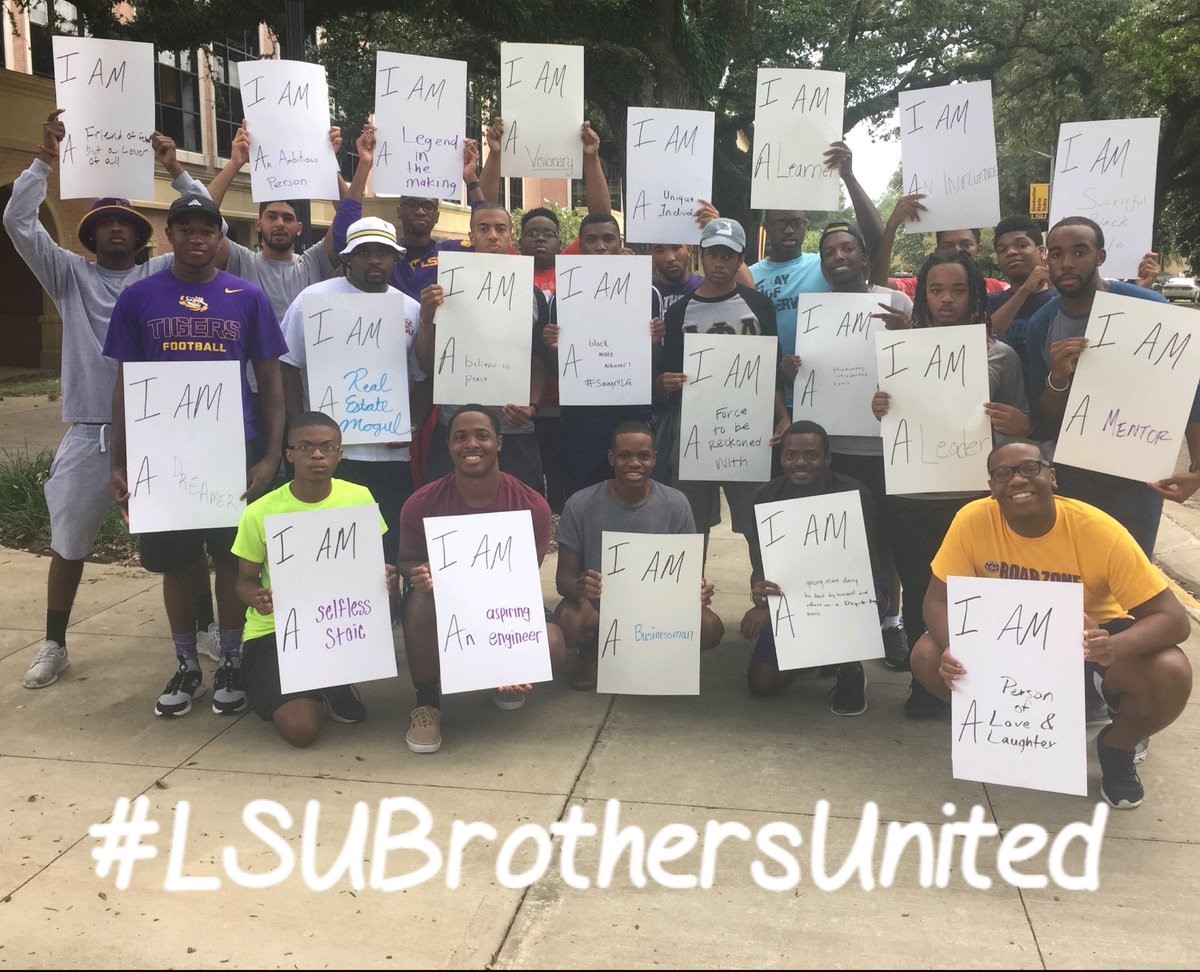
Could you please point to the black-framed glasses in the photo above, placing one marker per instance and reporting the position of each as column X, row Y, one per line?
column 1028, row 469
column 316, row 448
column 421, row 205
column 535, row 234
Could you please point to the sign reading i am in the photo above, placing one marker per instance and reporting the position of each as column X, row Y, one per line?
column 185, row 444
column 541, row 100
column 328, row 586
column 491, row 622
column 287, row 111
column 106, row 88
column 650, row 614
column 357, row 364
column 1017, row 715
column 604, row 338
column 668, row 166
column 420, row 107
column 797, row 115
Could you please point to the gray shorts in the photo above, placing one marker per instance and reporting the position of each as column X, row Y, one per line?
column 78, row 493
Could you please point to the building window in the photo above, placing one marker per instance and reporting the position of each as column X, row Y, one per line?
column 579, row 192
column 226, row 94
column 47, row 18
column 177, row 99
column 516, row 194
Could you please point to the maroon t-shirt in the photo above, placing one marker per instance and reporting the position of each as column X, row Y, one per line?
column 442, row 498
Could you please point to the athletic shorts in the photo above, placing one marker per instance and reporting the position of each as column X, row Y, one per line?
column 260, row 677
column 78, row 490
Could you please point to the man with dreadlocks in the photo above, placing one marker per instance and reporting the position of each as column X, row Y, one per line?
column 950, row 293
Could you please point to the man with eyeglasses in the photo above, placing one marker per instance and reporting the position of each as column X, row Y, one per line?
column 1132, row 622
column 161, row 318
column 314, row 446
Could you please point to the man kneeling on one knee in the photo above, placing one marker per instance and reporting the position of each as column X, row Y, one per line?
column 1132, row 622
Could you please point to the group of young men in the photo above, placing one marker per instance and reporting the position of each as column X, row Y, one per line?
column 600, row 468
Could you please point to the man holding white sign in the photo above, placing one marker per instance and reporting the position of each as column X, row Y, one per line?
column 476, row 485
column 383, row 467
column 630, row 502
column 195, row 312
column 1132, row 622
column 314, row 447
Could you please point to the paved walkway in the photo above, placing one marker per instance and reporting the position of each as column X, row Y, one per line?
column 68, row 752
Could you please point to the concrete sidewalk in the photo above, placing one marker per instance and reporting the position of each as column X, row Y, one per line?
column 69, row 751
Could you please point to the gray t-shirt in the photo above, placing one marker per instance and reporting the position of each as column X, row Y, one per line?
column 593, row 510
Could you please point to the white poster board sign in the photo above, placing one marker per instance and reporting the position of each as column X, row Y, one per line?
column 936, row 435
column 357, row 364
column 420, row 111
column 835, row 339
column 1133, row 389
column 604, row 330
column 541, row 101
column 815, row 549
column 797, row 115
column 728, row 409
column 650, row 614
column 185, row 444
column 948, row 152
column 668, row 168
column 333, row 623
column 483, row 342
column 107, row 90
column 287, row 111
column 491, row 622
column 1017, row 715
column 1106, row 171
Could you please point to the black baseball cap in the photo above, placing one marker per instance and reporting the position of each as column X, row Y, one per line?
column 193, row 203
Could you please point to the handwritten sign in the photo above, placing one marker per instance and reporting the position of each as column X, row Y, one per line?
column 483, row 344
column 357, row 364
column 1133, row 389
column 1106, row 170
column 420, row 109
column 948, row 152
column 936, row 436
column 728, row 407
column 333, row 621
column 491, row 622
column 107, row 89
column 604, row 342
column 797, row 114
column 185, row 444
column 287, row 109
column 835, row 339
column 815, row 549
column 1017, row 715
column 668, row 166
column 650, row 614
column 541, row 99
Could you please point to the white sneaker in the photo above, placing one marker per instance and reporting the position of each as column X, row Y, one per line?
column 51, row 661
column 208, row 642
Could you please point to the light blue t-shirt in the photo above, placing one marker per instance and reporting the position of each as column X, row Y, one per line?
column 784, row 283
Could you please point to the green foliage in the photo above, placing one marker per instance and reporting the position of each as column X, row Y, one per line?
column 568, row 221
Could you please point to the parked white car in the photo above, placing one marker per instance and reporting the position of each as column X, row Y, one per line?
column 1182, row 288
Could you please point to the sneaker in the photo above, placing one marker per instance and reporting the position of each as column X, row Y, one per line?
column 920, row 704
column 508, row 700
column 208, row 642
column 1141, row 750
column 895, row 648
column 51, row 661
column 849, row 695
column 584, row 677
column 343, row 704
column 228, row 698
column 425, row 729
column 1098, row 713
column 186, row 685
column 1119, row 783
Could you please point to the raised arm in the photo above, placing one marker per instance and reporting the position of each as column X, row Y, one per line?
column 489, row 178
column 595, row 186
column 870, row 225
column 908, row 209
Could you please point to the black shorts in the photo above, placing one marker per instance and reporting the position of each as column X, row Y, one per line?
column 1093, row 673
column 260, row 676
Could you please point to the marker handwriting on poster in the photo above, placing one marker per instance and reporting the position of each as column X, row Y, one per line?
column 541, row 99
column 669, row 156
column 420, row 104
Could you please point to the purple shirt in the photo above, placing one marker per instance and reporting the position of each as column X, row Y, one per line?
column 671, row 292
column 163, row 318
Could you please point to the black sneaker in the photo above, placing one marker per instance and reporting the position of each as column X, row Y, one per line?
column 895, row 648
column 1119, row 782
column 343, row 704
column 229, row 695
column 849, row 695
column 920, row 704
column 186, row 685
